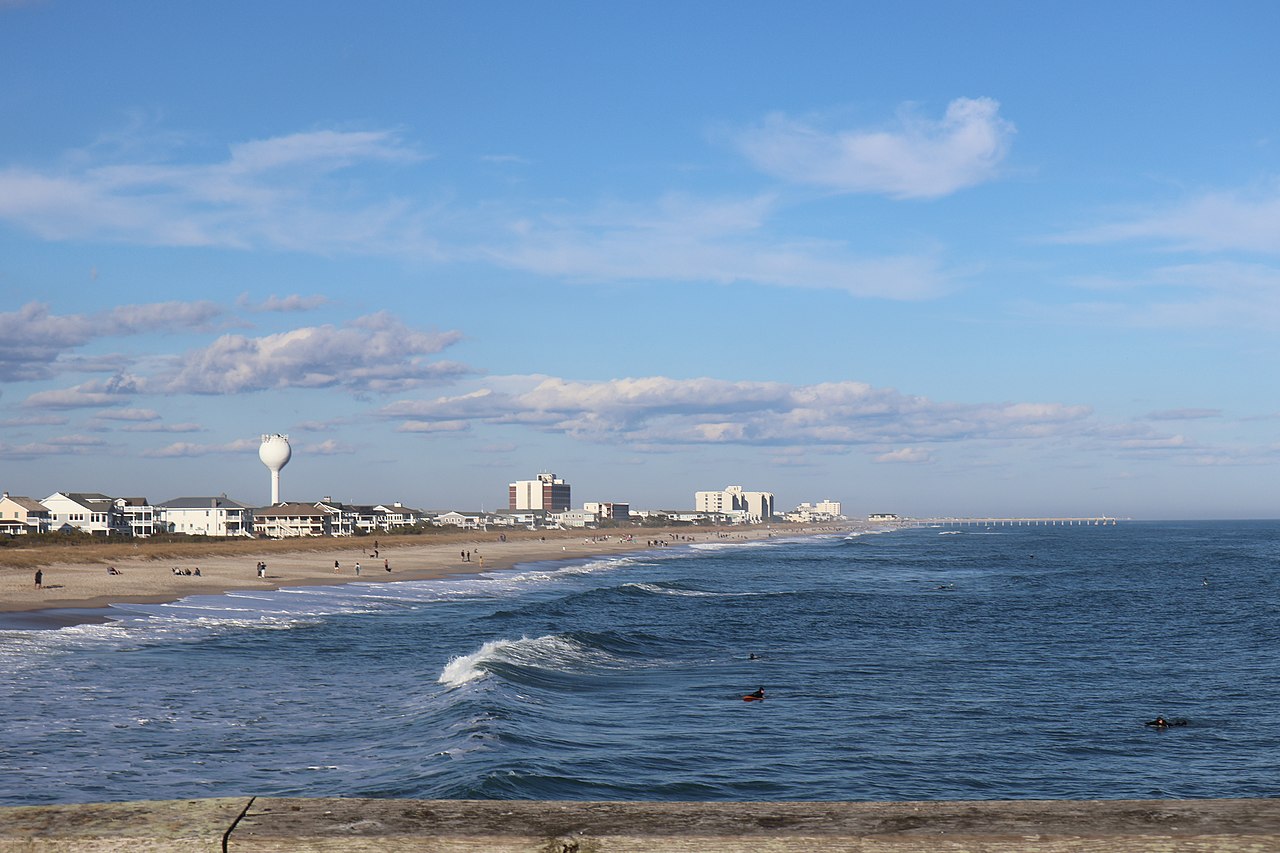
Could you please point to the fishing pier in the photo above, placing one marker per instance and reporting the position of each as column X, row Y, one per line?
column 1095, row 521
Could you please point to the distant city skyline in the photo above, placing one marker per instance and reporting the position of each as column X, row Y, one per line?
column 992, row 259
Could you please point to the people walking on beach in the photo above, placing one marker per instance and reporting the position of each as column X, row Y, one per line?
column 335, row 567
column 39, row 579
column 386, row 564
column 357, row 568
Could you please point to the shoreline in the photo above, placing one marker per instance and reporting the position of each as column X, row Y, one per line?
column 86, row 588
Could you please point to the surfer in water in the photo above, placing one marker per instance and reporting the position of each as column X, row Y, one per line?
column 1161, row 723
column 759, row 694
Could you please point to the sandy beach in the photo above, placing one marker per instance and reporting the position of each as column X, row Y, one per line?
column 150, row 578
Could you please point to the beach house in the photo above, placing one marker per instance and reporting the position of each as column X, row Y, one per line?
column 291, row 519
column 88, row 512
column 20, row 515
column 206, row 516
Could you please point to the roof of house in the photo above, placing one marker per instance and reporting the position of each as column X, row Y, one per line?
column 222, row 501
column 289, row 510
column 84, row 499
column 29, row 504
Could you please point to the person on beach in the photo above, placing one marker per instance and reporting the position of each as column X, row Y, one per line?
column 386, row 564
column 39, row 579
column 335, row 567
column 357, row 568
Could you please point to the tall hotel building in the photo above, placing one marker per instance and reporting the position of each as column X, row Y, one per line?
column 545, row 493
column 756, row 506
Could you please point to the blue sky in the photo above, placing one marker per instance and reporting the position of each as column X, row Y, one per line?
column 931, row 258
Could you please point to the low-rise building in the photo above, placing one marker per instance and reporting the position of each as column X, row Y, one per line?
column 396, row 514
column 342, row 517
column 611, row 510
column 811, row 513
column 88, row 512
column 138, row 514
column 465, row 520
column 575, row 518
column 19, row 515
column 206, row 516
column 287, row 519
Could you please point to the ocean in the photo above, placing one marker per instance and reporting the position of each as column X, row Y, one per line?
column 914, row 664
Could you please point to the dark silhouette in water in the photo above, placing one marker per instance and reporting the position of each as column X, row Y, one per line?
column 1162, row 723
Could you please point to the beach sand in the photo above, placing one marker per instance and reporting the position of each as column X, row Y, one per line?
column 142, row 578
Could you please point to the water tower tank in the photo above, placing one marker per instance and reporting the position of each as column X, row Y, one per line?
column 275, row 454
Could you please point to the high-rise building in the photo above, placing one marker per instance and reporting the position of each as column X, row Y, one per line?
column 754, row 506
column 547, row 493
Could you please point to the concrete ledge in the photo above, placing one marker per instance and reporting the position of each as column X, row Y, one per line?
column 271, row 824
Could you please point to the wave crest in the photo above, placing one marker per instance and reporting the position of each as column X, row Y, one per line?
column 549, row 652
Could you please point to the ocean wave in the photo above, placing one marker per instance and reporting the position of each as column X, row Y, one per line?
column 550, row 652
column 667, row 590
column 577, row 569
column 659, row 589
column 725, row 546
column 854, row 535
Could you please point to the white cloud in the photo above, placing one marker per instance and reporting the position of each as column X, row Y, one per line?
column 267, row 193
column 116, row 391
column 283, row 304
column 716, row 241
column 377, row 353
column 1184, row 414
column 34, row 420
column 915, row 158
column 1219, row 221
column 130, row 415
column 77, row 445
column 292, row 193
column 1220, row 294
column 35, row 343
column 166, row 428
column 187, row 449
column 912, row 455
column 659, row 411
column 434, row 426
column 328, row 447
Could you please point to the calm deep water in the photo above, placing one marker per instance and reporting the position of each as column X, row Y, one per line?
column 1005, row 663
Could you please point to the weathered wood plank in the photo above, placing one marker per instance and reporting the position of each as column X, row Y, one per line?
column 270, row 825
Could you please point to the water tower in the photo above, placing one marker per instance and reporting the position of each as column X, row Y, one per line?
column 275, row 454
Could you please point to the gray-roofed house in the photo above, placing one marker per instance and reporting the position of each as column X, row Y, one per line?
column 89, row 512
column 206, row 516
column 292, row 519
